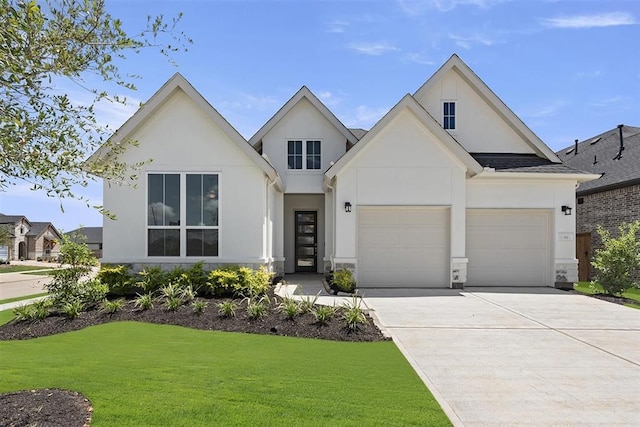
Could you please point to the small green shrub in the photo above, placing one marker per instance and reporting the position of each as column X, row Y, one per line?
column 25, row 313
column 144, row 301
column 307, row 303
column 197, row 277
column 353, row 314
column 117, row 278
column 342, row 280
column 259, row 281
column 227, row 308
column 289, row 307
column 257, row 308
column 173, row 303
column 223, row 282
column 42, row 308
column 72, row 309
column 324, row 313
column 151, row 279
column 187, row 293
column 618, row 258
column 112, row 306
column 238, row 281
column 199, row 306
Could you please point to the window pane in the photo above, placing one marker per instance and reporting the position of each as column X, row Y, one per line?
column 194, row 200
column 298, row 162
column 202, row 242
column 291, row 147
column 163, row 243
column 211, row 196
column 155, row 199
column 202, row 200
column 452, row 108
column 172, row 199
column 452, row 123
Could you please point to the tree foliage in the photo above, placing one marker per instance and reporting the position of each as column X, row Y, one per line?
column 45, row 135
column 618, row 258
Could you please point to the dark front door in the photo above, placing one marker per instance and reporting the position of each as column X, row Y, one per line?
column 583, row 253
column 306, row 241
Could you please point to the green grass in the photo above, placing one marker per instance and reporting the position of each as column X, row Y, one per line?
column 20, row 268
column 43, row 273
column 6, row 316
column 585, row 288
column 157, row 375
column 8, row 300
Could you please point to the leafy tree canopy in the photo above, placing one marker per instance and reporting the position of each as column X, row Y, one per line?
column 44, row 135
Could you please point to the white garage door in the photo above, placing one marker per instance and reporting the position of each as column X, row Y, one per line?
column 508, row 247
column 403, row 247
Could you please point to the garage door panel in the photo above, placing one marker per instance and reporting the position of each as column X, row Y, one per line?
column 508, row 247
column 403, row 246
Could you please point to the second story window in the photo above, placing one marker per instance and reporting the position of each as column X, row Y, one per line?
column 294, row 156
column 449, row 115
column 309, row 152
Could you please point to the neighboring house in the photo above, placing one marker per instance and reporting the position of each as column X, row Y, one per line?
column 610, row 200
column 93, row 236
column 449, row 188
column 31, row 240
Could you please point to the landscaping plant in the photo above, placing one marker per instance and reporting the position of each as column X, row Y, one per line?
column 343, row 281
column 151, row 279
column 307, row 303
column 144, row 301
column 324, row 313
column 227, row 308
column 257, row 307
column 111, row 306
column 199, row 306
column 117, row 278
column 354, row 314
column 289, row 307
column 616, row 260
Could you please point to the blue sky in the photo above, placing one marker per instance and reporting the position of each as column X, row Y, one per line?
column 568, row 69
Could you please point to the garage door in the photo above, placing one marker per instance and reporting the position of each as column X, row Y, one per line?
column 403, row 247
column 508, row 247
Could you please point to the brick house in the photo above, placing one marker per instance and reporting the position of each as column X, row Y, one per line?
column 30, row 239
column 614, row 197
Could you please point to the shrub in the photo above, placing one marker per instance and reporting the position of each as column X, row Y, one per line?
column 24, row 313
column 187, row 293
column 222, row 282
column 257, row 307
column 324, row 313
column 227, row 308
column 173, row 296
column 67, row 282
column 173, row 303
column 259, row 281
column 144, row 302
column 196, row 277
column 117, row 278
column 111, row 306
column 617, row 258
column 342, row 280
column 199, row 306
column 72, row 308
column 42, row 308
column 239, row 281
column 307, row 303
column 151, row 279
column 289, row 307
column 353, row 314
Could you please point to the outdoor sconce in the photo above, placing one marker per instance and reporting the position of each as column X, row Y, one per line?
column 566, row 209
column 347, row 206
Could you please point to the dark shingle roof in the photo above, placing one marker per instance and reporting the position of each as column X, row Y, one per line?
column 93, row 234
column 10, row 219
column 38, row 228
column 599, row 154
column 531, row 163
column 358, row 133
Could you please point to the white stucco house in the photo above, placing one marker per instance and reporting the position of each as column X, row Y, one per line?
column 449, row 189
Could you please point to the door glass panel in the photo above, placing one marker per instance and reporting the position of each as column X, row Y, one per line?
column 308, row 217
column 306, row 229
column 306, row 240
column 306, row 250
column 305, row 262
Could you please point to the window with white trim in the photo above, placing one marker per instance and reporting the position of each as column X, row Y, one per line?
column 449, row 115
column 310, row 152
column 182, row 217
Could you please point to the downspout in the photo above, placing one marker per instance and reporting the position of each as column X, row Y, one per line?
column 333, row 229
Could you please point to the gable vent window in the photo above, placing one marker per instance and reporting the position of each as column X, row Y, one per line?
column 310, row 152
column 449, row 115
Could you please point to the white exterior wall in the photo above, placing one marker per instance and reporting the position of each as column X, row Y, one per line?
column 303, row 122
column 479, row 128
column 404, row 165
column 522, row 193
column 180, row 137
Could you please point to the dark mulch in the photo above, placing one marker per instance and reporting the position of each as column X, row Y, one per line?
column 45, row 408
column 614, row 299
column 52, row 407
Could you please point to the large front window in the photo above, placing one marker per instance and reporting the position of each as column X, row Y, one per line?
column 182, row 217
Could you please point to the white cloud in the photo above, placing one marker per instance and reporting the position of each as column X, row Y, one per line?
column 419, row 58
column 611, row 19
column 365, row 117
column 114, row 114
column 546, row 110
column 329, row 99
column 372, row 48
column 337, row 26
column 417, row 7
column 245, row 101
column 466, row 42
column 607, row 102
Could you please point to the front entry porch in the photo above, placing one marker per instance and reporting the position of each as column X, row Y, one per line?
column 304, row 233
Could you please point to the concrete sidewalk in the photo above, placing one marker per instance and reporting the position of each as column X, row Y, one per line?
column 535, row 356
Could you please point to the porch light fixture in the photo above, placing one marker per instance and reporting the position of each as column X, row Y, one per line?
column 566, row 209
column 347, row 206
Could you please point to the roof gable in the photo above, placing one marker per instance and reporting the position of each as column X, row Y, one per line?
column 178, row 82
column 407, row 102
column 454, row 63
column 303, row 93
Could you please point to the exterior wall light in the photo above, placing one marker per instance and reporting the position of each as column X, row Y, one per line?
column 347, row 206
column 566, row 209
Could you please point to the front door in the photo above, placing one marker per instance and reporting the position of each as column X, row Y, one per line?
column 306, row 241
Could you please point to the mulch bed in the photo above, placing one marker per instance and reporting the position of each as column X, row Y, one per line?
column 614, row 299
column 54, row 407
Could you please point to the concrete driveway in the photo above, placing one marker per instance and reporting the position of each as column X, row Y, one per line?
column 496, row 356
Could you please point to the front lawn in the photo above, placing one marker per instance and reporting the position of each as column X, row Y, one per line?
column 20, row 268
column 143, row 374
column 585, row 288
